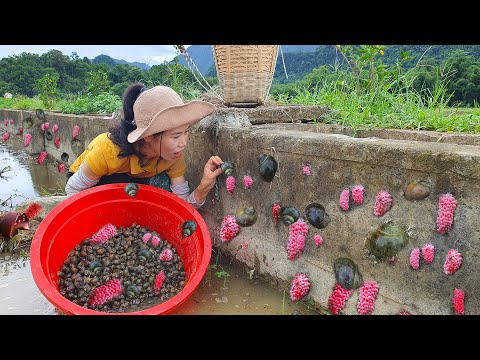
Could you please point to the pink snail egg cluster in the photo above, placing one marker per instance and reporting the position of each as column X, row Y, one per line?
column 296, row 238
column 446, row 209
column 229, row 228
column 383, row 203
column 106, row 232
column 453, row 261
column 105, row 292
column 366, row 297
column 300, row 287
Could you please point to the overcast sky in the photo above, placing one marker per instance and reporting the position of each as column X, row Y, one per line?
column 148, row 54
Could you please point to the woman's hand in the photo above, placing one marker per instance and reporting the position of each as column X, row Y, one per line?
column 210, row 172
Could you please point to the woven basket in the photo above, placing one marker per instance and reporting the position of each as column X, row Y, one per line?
column 245, row 73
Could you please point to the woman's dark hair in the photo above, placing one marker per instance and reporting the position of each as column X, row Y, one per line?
column 120, row 130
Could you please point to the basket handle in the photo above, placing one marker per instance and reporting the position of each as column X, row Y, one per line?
column 193, row 68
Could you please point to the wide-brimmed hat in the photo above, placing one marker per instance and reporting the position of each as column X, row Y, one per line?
column 161, row 108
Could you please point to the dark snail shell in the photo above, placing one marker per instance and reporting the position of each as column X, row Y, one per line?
column 96, row 267
column 386, row 241
column 40, row 114
column 143, row 255
column 65, row 157
column 131, row 291
column 288, row 215
column 246, row 216
column 316, row 215
column 267, row 167
column 188, row 227
column 227, row 168
column 347, row 273
column 131, row 189
column 48, row 135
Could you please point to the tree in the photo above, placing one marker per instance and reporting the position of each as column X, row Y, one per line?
column 47, row 88
column 97, row 82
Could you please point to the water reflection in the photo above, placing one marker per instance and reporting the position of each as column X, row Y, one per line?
column 24, row 179
column 19, row 294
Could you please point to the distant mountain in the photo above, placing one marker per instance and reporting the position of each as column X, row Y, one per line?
column 105, row 59
column 140, row 65
column 202, row 56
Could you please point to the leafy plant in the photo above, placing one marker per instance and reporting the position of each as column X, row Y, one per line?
column 46, row 86
column 97, row 82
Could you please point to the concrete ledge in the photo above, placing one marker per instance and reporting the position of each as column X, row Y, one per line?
column 377, row 159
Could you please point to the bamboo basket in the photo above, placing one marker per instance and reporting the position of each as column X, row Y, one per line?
column 245, row 73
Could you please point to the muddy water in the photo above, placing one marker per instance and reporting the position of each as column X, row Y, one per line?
column 234, row 294
column 23, row 179
column 225, row 289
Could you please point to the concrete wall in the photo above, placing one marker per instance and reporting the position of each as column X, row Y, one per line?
column 379, row 160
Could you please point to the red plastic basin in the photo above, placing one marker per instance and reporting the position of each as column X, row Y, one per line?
column 81, row 215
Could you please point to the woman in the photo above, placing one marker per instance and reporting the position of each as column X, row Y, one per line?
column 147, row 146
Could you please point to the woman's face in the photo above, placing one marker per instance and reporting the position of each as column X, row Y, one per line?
column 173, row 142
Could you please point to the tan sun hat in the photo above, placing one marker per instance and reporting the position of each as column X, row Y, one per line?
column 161, row 108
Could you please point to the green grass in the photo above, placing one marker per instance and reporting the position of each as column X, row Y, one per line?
column 104, row 103
column 382, row 109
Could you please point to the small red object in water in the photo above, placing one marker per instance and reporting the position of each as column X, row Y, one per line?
column 55, row 128
column 5, row 136
column 57, row 142
column 61, row 167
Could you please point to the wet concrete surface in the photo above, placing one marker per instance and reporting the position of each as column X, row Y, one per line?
column 224, row 290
